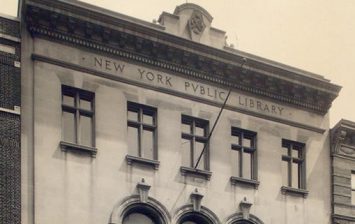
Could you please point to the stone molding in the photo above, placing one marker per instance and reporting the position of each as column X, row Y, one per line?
column 69, row 23
column 186, row 209
column 343, row 219
column 120, row 209
column 239, row 217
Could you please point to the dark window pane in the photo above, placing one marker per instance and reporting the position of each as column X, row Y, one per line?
column 68, row 100
column 235, row 163
column 296, row 153
column 247, row 166
column 137, row 218
column 85, row 104
column 295, row 175
column 186, row 150
column 148, row 145
column 68, row 128
column 199, row 131
column 236, row 140
column 148, row 119
column 197, row 152
column 132, row 136
column 284, row 151
column 247, row 142
column 132, row 116
column 284, row 172
column 186, row 128
column 86, row 131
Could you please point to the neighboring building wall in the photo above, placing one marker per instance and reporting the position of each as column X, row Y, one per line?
column 343, row 170
column 10, row 125
column 77, row 50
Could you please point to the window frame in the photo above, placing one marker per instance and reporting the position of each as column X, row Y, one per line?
column 301, row 171
column 144, row 209
column 141, row 110
column 78, row 112
column 194, row 122
column 252, row 150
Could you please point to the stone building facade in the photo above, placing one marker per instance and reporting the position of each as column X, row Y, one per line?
column 126, row 121
column 10, row 125
column 343, row 172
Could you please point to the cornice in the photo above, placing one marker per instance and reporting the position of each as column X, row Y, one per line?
column 132, row 41
column 343, row 139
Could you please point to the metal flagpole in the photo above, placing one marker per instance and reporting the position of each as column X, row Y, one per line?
column 214, row 125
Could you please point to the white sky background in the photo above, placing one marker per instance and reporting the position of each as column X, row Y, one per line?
column 317, row 35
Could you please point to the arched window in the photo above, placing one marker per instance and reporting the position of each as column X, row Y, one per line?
column 142, row 214
column 135, row 218
column 194, row 218
column 243, row 222
column 238, row 218
column 131, row 210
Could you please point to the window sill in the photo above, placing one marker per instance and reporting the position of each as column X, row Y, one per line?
column 67, row 146
column 133, row 159
column 245, row 182
column 205, row 174
column 294, row 191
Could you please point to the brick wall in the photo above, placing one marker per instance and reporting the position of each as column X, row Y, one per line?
column 10, row 168
column 9, row 27
column 10, row 123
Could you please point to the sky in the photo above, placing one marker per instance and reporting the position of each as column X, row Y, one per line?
column 316, row 36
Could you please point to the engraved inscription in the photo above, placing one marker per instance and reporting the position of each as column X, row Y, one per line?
column 108, row 65
column 182, row 85
column 155, row 77
column 259, row 105
column 199, row 89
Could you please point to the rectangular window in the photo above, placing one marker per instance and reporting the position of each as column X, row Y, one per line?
column 244, row 148
column 77, row 116
column 293, row 164
column 194, row 142
column 142, row 126
column 353, row 188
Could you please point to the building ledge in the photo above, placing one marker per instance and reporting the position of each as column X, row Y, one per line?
column 343, row 217
column 134, row 159
column 294, row 191
column 244, row 182
column 67, row 146
column 16, row 110
column 187, row 171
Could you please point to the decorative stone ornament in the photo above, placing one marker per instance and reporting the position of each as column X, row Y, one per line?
column 196, row 25
column 143, row 190
column 196, row 198
column 245, row 208
column 343, row 138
